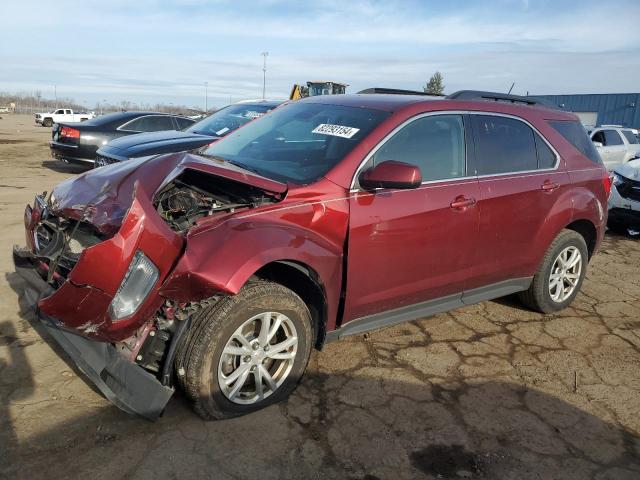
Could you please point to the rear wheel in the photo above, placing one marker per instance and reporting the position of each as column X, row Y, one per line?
column 560, row 275
column 47, row 122
column 247, row 351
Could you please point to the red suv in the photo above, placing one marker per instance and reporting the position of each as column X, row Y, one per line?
column 328, row 217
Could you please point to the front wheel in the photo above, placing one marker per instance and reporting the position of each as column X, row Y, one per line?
column 560, row 275
column 247, row 351
column 47, row 122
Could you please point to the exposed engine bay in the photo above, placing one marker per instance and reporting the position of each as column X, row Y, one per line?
column 194, row 195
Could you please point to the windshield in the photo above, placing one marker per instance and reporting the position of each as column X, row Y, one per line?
column 299, row 142
column 228, row 119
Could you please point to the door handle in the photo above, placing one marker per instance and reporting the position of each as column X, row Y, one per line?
column 461, row 202
column 548, row 186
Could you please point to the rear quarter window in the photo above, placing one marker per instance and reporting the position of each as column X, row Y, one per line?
column 576, row 135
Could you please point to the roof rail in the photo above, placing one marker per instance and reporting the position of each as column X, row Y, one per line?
column 397, row 91
column 499, row 97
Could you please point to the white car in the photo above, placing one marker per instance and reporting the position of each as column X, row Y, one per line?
column 624, row 201
column 62, row 115
column 615, row 144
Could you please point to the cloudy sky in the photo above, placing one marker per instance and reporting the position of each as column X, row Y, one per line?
column 152, row 50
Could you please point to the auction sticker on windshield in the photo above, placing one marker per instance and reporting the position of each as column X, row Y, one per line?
column 335, row 130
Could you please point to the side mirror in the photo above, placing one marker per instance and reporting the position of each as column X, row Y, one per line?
column 391, row 174
column 597, row 144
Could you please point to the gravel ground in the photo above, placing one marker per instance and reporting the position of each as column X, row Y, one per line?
column 488, row 391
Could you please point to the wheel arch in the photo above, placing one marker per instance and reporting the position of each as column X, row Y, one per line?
column 306, row 283
column 588, row 231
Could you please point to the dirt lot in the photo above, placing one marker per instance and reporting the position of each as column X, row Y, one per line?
column 489, row 391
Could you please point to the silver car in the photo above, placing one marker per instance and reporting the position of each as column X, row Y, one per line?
column 615, row 144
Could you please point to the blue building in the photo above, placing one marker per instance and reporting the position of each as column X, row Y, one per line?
column 601, row 109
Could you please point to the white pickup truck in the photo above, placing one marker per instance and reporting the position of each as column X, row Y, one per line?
column 62, row 115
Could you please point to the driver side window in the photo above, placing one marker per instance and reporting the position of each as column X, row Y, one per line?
column 434, row 143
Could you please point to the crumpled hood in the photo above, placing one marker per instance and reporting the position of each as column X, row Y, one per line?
column 107, row 192
column 629, row 170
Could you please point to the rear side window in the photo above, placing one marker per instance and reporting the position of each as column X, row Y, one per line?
column 503, row 145
column 151, row 123
column 576, row 135
column 435, row 144
column 611, row 137
column 631, row 138
column 546, row 157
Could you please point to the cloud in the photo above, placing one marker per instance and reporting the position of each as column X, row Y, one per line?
column 152, row 49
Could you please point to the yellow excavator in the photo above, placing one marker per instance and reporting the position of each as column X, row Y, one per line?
column 317, row 87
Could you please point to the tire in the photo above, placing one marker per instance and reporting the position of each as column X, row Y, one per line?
column 539, row 297
column 202, row 359
column 47, row 122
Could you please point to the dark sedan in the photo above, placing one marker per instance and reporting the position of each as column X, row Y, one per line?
column 78, row 142
column 198, row 135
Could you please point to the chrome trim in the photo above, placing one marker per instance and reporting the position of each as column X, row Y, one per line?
column 352, row 187
column 63, row 145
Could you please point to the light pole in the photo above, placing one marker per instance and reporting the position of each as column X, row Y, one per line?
column 55, row 94
column 206, row 107
column 264, row 74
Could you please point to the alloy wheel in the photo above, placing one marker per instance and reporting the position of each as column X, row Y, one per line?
column 565, row 274
column 258, row 358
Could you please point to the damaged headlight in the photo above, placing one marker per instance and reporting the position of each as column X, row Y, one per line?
column 617, row 179
column 136, row 285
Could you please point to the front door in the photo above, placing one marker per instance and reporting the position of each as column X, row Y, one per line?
column 410, row 246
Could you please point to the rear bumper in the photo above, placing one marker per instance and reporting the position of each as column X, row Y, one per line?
column 69, row 153
column 122, row 382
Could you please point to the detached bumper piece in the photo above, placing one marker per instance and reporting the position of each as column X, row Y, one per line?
column 123, row 383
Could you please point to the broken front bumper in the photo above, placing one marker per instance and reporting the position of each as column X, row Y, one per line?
column 82, row 301
column 124, row 383
column 76, row 313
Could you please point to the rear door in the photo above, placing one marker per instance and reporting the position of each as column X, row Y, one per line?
column 520, row 180
column 410, row 246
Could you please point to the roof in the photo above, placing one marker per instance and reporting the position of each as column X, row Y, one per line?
column 385, row 102
column 394, row 103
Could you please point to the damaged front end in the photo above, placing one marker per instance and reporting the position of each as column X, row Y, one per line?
column 88, row 290
column 95, row 268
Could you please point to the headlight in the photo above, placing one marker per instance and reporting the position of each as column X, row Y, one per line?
column 617, row 179
column 136, row 285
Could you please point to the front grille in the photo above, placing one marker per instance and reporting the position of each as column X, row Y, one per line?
column 629, row 189
column 101, row 161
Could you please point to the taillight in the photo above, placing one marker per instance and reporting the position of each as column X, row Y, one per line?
column 69, row 132
column 607, row 180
